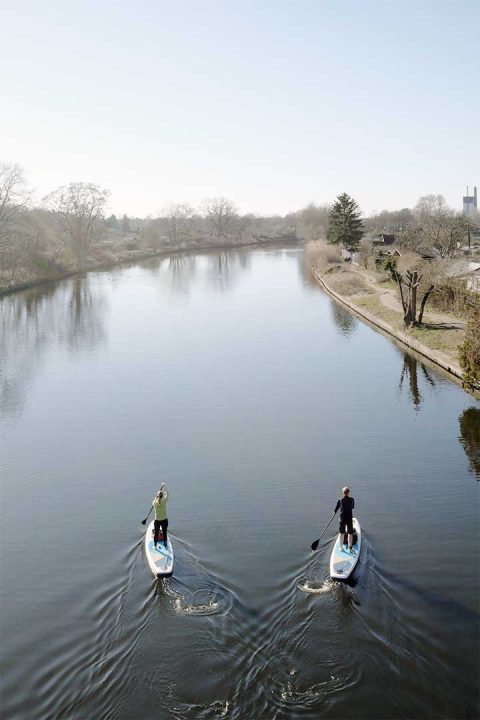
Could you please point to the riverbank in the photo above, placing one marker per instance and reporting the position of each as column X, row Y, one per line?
column 439, row 337
column 131, row 256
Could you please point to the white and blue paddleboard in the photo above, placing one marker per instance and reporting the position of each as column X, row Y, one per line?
column 342, row 561
column 160, row 558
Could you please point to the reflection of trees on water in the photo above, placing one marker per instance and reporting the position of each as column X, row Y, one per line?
column 181, row 269
column 306, row 272
column 220, row 269
column 177, row 272
column 345, row 321
column 31, row 321
column 84, row 328
column 469, row 437
column 224, row 267
column 410, row 372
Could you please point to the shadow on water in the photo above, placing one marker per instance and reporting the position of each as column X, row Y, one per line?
column 69, row 314
column 345, row 321
column 410, row 373
column 469, row 437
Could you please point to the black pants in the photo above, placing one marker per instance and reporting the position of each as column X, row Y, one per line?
column 157, row 524
column 345, row 522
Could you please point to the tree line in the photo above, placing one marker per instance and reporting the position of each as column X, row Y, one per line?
column 70, row 225
column 69, row 230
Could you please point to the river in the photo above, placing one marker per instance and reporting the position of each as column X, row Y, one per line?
column 235, row 379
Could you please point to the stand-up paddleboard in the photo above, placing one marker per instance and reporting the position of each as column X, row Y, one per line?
column 160, row 559
column 342, row 561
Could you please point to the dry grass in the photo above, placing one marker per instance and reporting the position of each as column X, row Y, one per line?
column 322, row 257
column 348, row 284
column 446, row 340
column 373, row 304
column 386, row 282
column 365, row 295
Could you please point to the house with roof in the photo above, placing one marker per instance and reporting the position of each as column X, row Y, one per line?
column 383, row 240
column 467, row 271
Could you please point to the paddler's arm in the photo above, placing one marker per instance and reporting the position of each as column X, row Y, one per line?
column 336, row 507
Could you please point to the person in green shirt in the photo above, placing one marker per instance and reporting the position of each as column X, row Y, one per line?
column 159, row 504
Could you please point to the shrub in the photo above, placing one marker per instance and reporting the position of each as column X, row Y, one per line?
column 469, row 351
column 322, row 257
column 390, row 266
column 451, row 295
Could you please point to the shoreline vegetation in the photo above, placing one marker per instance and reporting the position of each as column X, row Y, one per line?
column 112, row 260
column 69, row 232
column 373, row 296
column 405, row 270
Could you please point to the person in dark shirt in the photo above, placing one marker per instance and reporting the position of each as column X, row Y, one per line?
column 346, row 505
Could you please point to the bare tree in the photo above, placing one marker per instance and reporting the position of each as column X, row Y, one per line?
column 439, row 226
column 388, row 221
column 178, row 218
column 312, row 222
column 409, row 274
column 13, row 195
column 429, row 206
column 412, row 237
column 366, row 253
column 79, row 207
column 408, row 286
column 223, row 219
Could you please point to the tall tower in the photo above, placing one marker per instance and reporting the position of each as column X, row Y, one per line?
column 470, row 203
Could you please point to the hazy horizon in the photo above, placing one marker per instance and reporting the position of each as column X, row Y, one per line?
column 273, row 105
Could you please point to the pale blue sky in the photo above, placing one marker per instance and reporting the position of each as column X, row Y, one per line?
column 271, row 103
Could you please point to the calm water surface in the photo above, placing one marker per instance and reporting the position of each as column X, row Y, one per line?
column 237, row 381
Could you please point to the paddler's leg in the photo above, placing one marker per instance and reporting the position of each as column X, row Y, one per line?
column 341, row 530
column 156, row 527
column 164, row 524
column 350, row 536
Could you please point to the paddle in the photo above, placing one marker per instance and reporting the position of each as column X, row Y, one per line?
column 315, row 542
column 144, row 521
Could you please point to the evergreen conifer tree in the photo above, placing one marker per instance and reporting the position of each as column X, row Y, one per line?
column 345, row 223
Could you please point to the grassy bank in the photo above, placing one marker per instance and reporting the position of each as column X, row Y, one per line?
column 375, row 298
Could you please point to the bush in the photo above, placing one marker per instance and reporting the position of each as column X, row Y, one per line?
column 322, row 257
column 451, row 295
column 469, row 352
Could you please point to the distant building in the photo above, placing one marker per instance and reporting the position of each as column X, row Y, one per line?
column 467, row 271
column 384, row 239
column 389, row 252
column 470, row 203
column 427, row 253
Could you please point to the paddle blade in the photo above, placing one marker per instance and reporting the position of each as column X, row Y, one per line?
column 314, row 545
column 144, row 521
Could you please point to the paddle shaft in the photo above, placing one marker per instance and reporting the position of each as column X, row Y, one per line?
column 144, row 521
column 315, row 543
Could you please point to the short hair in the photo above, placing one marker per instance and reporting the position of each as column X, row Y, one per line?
column 345, row 490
